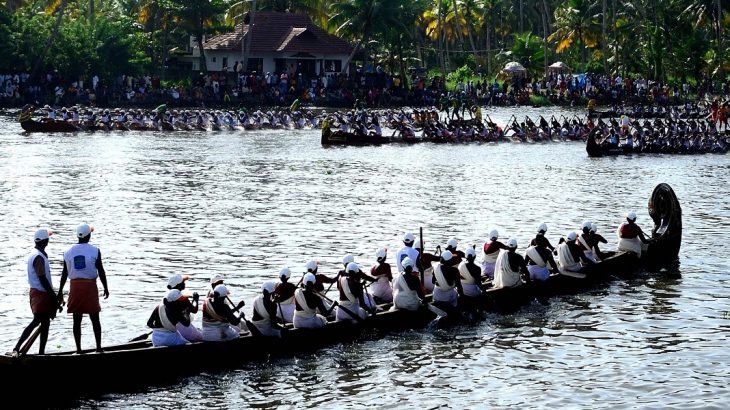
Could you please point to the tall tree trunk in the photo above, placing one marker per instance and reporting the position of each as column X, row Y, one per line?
column 720, row 49
column 54, row 33
column 522, row 17
column 201, row 47
column 351, row 56
column 441, row 36
column 604, row 36
column 544, row 37
column 489, row 49
column 247, row 50
column 92, row 12
column 457, row 24
column 166, row 31
column 616, row 63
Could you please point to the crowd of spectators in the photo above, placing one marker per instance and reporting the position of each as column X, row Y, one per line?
column 375, row 88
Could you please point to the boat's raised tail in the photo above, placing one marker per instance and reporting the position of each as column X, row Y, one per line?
column 666, row 212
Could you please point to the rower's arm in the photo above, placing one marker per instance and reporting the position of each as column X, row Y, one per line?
column 102, row 275
column 154, row 320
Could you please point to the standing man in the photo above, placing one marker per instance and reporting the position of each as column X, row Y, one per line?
column 82, row 265
column 42, row 303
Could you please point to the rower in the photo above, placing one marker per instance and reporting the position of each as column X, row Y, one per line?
column 219, row 320
column 595, row 239
column 264, row 312
column 188, row 331
column 491, row 252
column 407, row 290
column 215, row 280
column 584, row 240
column 320, row 278
column 381, row 271
column 570, row 255
column 447, row 282
column 471, row 274
column 451, row 245
column 352, row 295
column 406, row 251
column 308, row 302
column 284, row 296
column 424, row 264
column 540, row 239
column 509, row 267
column 539, row 260
column 631, row 237
column 166, row 317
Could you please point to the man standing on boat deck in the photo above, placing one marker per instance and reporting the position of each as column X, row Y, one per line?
column 82, row 265
column 631, row 237
column 407, row 290
column 308, row 302
column 43, row 303
column 509, row 267
column 407, row 251
column 264, row 312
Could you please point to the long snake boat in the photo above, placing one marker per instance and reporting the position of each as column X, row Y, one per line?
column 136, row 365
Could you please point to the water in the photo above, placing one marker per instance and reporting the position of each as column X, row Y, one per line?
column 246, row 204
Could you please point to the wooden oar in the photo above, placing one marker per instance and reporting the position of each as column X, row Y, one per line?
column 28, row 343
column 348, row 311
column 420, row 255
column 141, row 337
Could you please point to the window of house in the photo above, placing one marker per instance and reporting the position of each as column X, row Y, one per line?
column 333, row 66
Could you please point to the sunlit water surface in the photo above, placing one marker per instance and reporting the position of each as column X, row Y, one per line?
column 246, row 204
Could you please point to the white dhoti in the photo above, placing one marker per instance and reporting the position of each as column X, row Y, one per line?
column 267, row 330
column 220, row 331
column 190, row 332
column 450, row 296
column 312, row 322
column 634, row 245
column 355, row 309
column 164, row 337
column 488, row 270
column 471, row 289
column 428, row 279
column 382, row 290
column 591, row 256
column 539, row 273
column 285, row 311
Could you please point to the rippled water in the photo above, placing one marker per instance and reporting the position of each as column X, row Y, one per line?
column 246, row 204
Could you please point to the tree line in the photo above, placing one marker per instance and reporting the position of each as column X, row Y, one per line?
column 657, row 39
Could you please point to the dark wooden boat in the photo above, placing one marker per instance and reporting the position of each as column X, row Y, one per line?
column 594, row 149
column 136, row 365
column 330, row 137
column 55, row 126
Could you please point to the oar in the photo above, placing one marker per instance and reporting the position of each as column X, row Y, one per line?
column 28, row 343
column 141, row 337
column 348, row 311
column 420, row 255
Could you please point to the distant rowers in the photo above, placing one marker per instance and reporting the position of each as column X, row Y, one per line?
column 264, row 312
column 219, row 320
column 284, row 296
column 509, row 267
column 491, row 252
column 407, row 290
column 381, row 271
column 631, row 237
column 308, row 303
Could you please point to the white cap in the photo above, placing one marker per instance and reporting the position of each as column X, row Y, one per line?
column 512, row 243
column 352, row 267
column 408, row 237
column 309, row 278
column 586, row 225
column 312, row 266
column 173, row 295
column 406, row 262
column 221, row 290
column 446, row 255
column 542, row 228
column 631, row 216
column 572, row 236
column 471, row 253
column 285, row 272
column 176, row 280
column 594, row 227
column 380, row 253
column 418, row 244
column 493, row 234
column 42, row 234
column 215, row 279
column 84, row 230
column 268, row 286
column 451, row 243
column 348, row 259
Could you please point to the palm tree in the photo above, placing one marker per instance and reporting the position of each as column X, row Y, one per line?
column 574, row 23
column 199, row 17
column 710, row 13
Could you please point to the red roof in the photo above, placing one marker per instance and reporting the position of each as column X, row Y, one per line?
column 283, row 33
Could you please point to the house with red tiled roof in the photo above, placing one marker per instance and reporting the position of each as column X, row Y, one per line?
column 279, row 42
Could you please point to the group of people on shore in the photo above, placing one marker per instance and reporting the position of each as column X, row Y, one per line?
column 453, row 277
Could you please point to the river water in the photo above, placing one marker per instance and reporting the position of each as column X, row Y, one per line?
column 246, row 204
